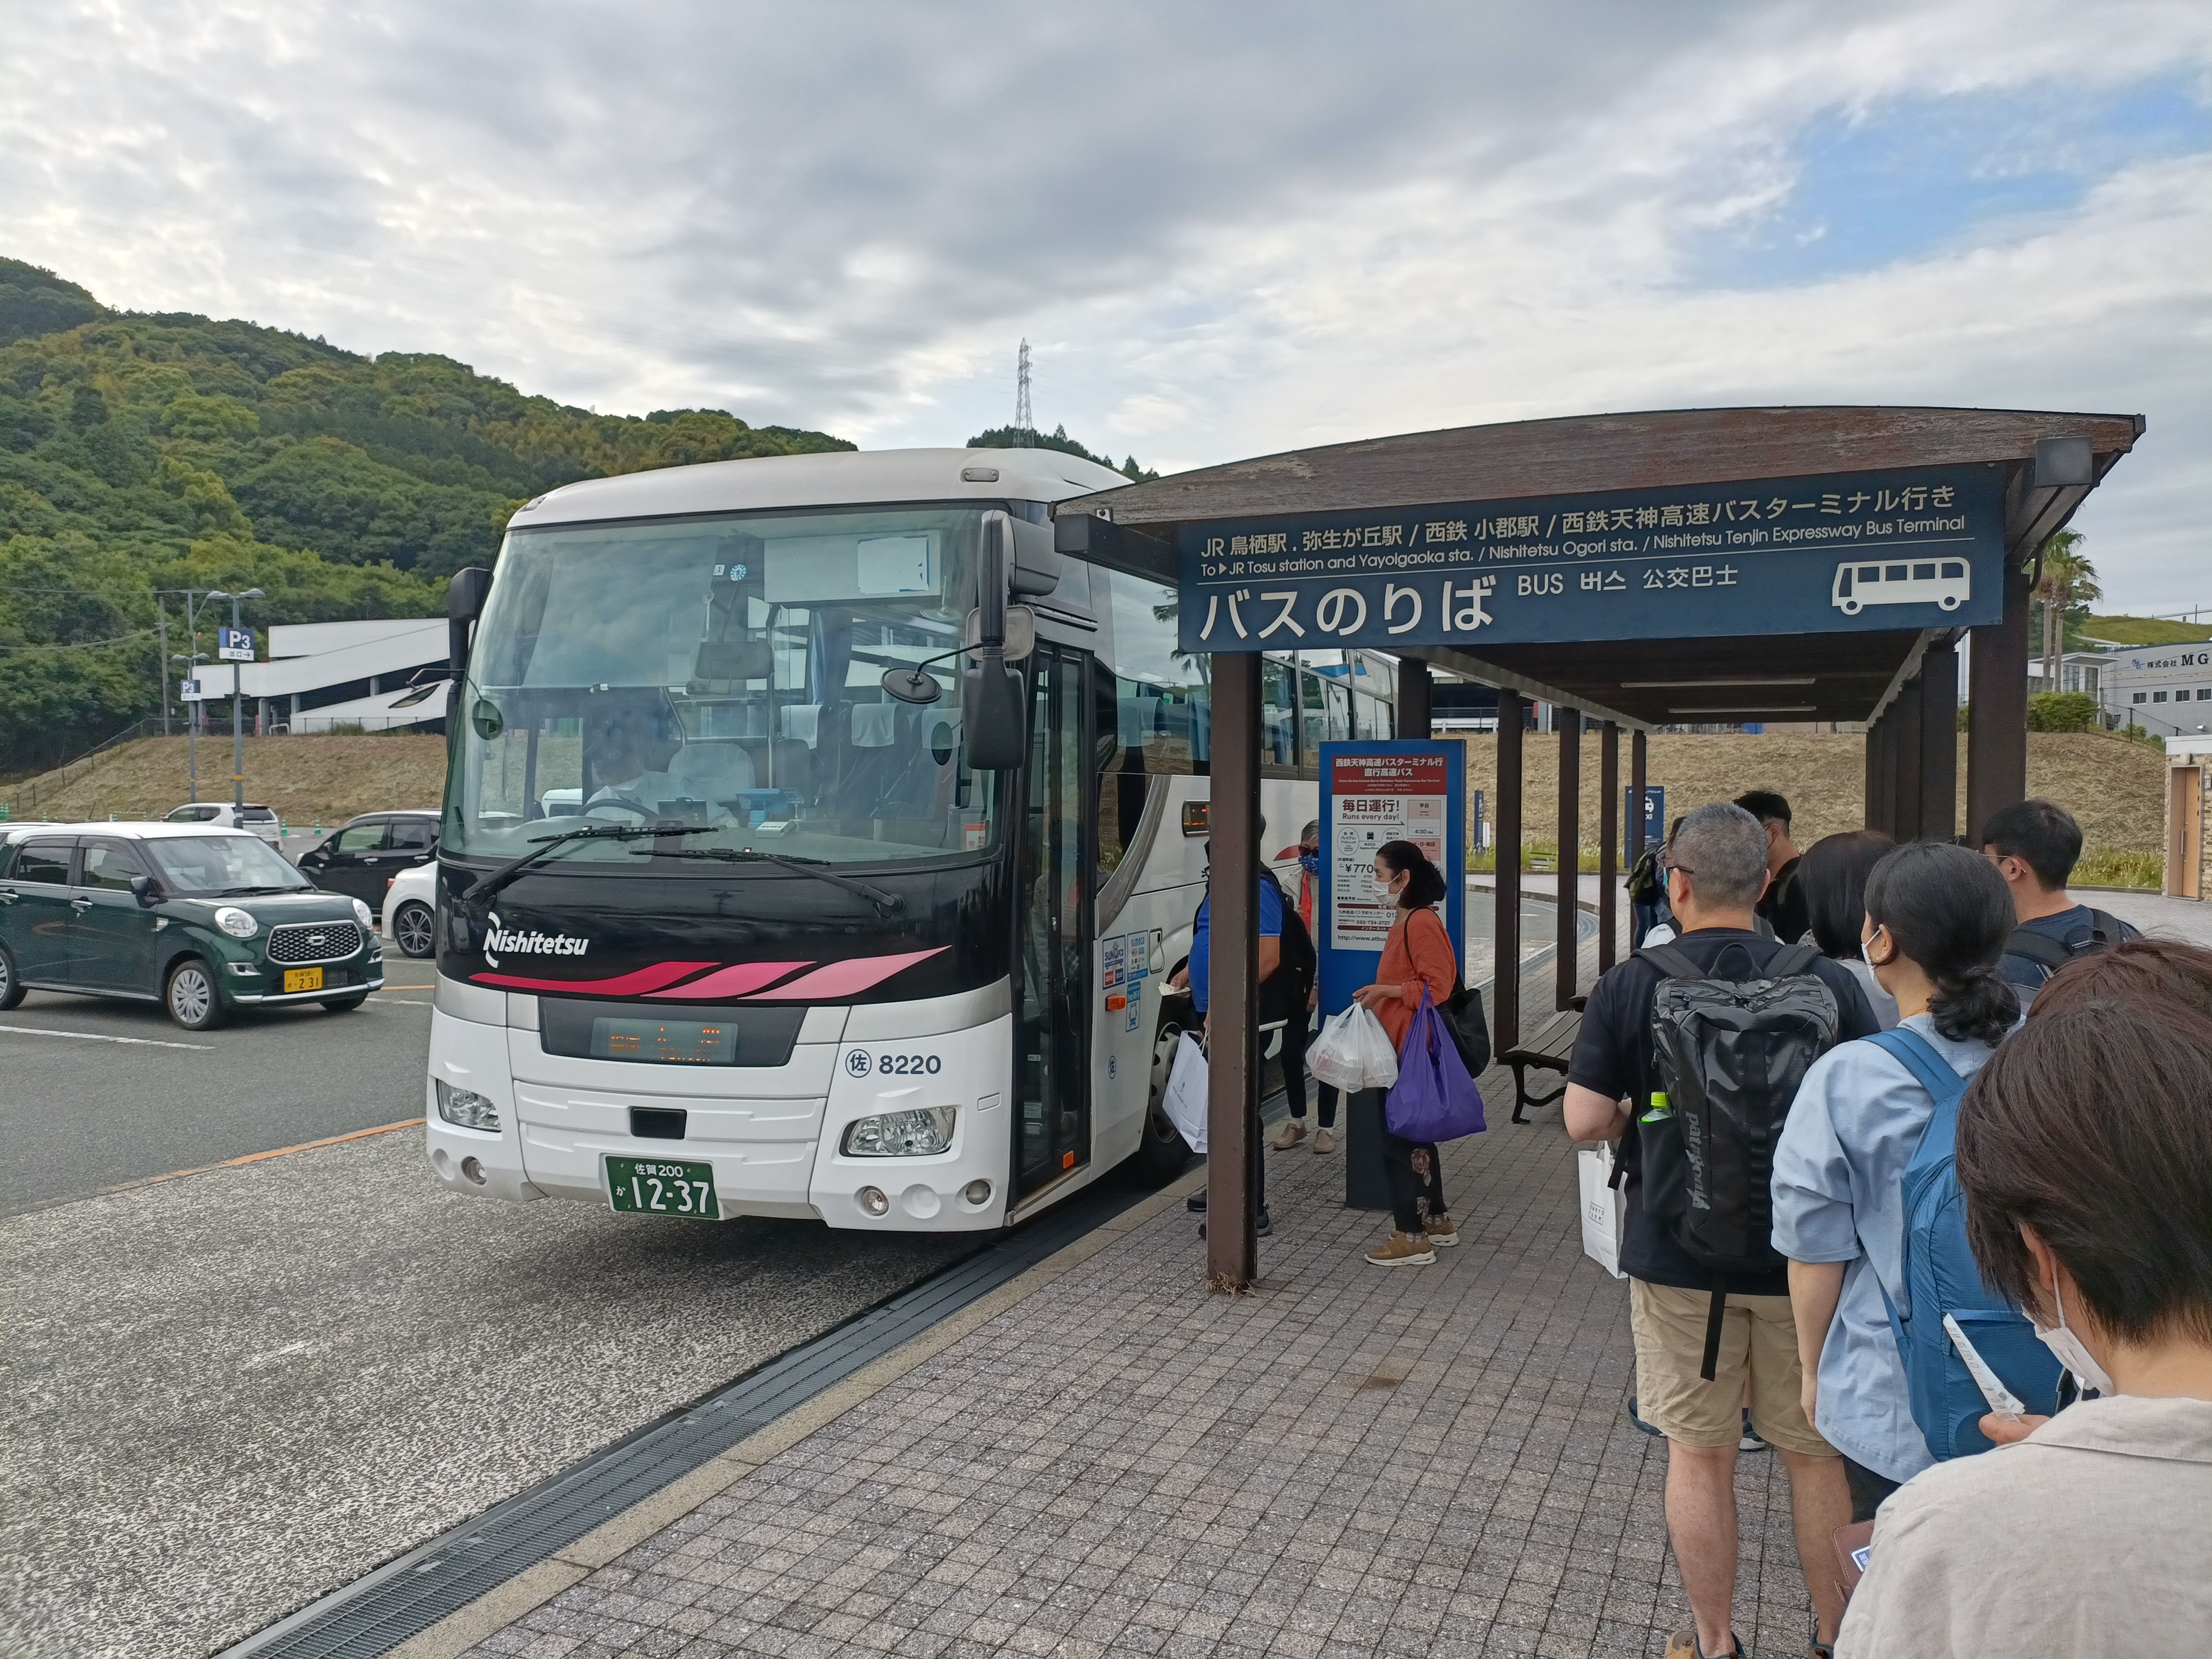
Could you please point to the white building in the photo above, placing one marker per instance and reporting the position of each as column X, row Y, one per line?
column 326, row 674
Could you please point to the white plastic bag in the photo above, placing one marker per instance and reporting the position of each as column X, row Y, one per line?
column 1353, row 1052
column 1185, row 1100
column 1605, row 1207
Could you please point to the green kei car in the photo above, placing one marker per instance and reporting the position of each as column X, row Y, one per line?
column 202, row 920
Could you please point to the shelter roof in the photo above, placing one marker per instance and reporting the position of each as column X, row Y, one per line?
column 1646, row 681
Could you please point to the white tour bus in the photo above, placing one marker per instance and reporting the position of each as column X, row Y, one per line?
column 738, row 915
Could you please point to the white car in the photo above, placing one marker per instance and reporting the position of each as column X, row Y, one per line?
column 251, row 817
column 411, row 910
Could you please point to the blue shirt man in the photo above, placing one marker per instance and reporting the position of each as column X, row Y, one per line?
column 1201, row 944
column 2035, row 845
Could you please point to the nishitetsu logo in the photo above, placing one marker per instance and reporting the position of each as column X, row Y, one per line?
column 523, row 943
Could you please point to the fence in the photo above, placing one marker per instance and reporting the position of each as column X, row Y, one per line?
column 23, row 798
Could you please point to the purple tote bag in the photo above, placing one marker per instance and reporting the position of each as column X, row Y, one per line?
column 1434, row 1099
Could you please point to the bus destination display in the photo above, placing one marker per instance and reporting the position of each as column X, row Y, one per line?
column 665, row 1042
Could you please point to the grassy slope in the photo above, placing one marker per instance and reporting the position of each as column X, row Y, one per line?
column 2114, row 786
column 304, row 778
column 2144, row 630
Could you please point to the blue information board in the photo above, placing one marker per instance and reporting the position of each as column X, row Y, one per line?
column 1916, row 548
column 1371, row 793
column 1655, row 812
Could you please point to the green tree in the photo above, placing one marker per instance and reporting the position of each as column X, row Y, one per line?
column 2068, row 582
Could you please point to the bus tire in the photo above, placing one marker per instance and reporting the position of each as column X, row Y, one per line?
column 1161, row 1154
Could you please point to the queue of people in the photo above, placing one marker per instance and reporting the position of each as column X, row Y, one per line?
column 1918, row 1196
column 1893, row 1167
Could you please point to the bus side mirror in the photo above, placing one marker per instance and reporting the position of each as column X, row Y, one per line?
column 992, row 707
column 465, row 602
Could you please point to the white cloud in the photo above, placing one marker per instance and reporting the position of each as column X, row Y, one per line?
column 1228, row 230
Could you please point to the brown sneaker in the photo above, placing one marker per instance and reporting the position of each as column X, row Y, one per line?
column 1402, row 1250
column 1324, row 1141
column 1443, row 1229
column 1289, row 1134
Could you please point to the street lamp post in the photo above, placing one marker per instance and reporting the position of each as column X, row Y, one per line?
column 237, row 696
column 192, row 719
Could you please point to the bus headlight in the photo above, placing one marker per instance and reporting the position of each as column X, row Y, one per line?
column 465, row 1108
column 901, row 1134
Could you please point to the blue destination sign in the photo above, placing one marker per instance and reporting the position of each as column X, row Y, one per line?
column 1917, row 548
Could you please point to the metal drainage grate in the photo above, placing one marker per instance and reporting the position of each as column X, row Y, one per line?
column 403, row 1597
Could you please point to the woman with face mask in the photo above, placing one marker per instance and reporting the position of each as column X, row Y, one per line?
column 1932, row 932
column 2085, row 1162
column 1418, row 953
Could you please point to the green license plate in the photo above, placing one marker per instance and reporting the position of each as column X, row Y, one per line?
column 655, row 1186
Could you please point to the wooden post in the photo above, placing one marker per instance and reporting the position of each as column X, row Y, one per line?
column 1505, row 928
column 1870, row 784
column 1569, row 723
column 1939, row 742
column 1905, row 761
column 1608, row 841
column 1414, row 698
column 1232, row 1245
column 1996, row 694
column 1636, row 782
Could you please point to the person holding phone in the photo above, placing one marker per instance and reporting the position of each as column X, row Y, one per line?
column 1934, row 931
column 2085, row 1163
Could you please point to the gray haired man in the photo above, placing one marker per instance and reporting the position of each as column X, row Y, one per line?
column 1718, row 872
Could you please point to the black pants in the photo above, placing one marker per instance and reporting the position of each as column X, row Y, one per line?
column 1869, row 1490
column 1407, row 1189
column 1298, row 1037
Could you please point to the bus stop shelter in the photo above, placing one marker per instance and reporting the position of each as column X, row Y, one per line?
column 1633, row 571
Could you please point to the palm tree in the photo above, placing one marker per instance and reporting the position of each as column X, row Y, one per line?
column 2068, row 580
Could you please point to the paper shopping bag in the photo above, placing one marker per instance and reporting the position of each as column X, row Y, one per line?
column 1604, row 1206
column 1185, row 1100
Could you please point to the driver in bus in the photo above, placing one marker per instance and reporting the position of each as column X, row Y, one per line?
column 631, row 750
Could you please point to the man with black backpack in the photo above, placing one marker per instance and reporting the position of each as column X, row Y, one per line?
column 1689, row 1056
column 2035, row 846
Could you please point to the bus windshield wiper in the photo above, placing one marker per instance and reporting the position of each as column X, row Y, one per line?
column 885, row 902
column 486, row 885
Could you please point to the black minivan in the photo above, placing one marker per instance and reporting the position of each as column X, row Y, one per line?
column 362, row 859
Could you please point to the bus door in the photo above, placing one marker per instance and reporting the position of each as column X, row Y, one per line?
column 1058, row 877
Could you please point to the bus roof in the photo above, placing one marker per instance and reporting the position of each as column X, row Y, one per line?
column 827, row 480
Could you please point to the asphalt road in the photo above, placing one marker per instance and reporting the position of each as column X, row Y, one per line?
column 94, row 1093
column 229, row 1393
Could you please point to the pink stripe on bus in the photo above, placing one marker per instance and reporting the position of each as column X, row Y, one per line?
column 845, row 979
column 735, row 981
column 623, row 984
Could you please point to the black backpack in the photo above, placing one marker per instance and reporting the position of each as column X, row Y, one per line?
column 2105, row 931
column 1301, row 962
column 1731, row 1053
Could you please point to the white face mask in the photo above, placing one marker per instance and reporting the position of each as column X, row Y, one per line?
column 2066, row 1348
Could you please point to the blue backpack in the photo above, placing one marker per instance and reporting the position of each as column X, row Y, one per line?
column 1940, row 1277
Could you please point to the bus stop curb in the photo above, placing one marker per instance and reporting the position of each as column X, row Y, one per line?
column 570, row 1565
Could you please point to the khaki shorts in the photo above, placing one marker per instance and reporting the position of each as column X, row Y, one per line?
column 1759, row 1339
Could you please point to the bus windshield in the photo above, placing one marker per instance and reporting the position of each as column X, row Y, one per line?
column 723, row 675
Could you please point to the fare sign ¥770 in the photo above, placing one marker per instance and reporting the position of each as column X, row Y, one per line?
column 1375, row 799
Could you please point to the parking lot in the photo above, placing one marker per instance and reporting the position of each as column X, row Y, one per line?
column 232, row 1385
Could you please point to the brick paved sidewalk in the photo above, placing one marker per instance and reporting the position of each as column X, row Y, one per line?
column 1425, row 1462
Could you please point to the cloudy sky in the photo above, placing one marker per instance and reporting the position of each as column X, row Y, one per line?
column 1224, row 230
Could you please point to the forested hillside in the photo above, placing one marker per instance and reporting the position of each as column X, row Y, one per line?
column 142, row 452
